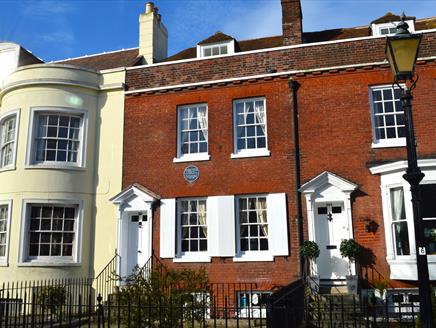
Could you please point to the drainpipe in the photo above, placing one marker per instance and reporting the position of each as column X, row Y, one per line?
column 293, row 86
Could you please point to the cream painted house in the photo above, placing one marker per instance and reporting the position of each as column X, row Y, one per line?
column 61, row 129
column 58, row 170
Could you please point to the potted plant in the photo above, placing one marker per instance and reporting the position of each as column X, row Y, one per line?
column 309, row 251
column 350, row 249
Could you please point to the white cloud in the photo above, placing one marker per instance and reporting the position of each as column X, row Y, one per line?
column 47, row 8
column 54, row 19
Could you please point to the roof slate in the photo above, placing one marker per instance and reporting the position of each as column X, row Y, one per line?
column 128, row 58
column 217, row 37
column 122, row 58
column 390, row 17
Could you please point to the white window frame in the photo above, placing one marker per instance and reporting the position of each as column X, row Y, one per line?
column 199, row 256
column 403, row 267
column 407, row 199
column 4, row 260
column 383, row 143
column 376, row 28
column 24, row 259
column 31, row 144
column 230, row 48
column 254, row 152
column 200, row 156
column 4, row 118
column 242, row 256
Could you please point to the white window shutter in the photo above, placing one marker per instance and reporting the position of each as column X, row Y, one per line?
column 167, row 228
column 221, row 225
column 277, row 224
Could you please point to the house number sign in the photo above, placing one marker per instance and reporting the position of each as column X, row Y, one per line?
column 191, row 173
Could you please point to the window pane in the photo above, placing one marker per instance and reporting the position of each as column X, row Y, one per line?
column 253, row 223
column 377, row 95
column 387, row 94
column 428, row 193
column 193, row 130
column 193, row 237
column 62, row 133
column 46, row 230
column 385, row 103
column 399, row 226
column 401, row 238
column 250, row 124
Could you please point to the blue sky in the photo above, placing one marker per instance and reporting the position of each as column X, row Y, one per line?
column 58, row 29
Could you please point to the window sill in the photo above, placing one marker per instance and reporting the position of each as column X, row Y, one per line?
column 8, row 168
column 256, row 153
column 389, row 143
column 405, row 269
column 196, row 158
column 55, row 167
column 192, row 258
column 41, row 263
column 4, row 263
column 254, row 257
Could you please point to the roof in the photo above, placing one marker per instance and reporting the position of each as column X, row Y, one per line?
column 390, row 17
column 114, row 59
column 217, row 37
column 308, row 37
column 130, row 57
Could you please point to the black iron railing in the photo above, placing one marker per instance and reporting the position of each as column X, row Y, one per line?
column 73, row 303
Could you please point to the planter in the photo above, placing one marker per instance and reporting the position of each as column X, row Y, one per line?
column 352, row 284
column 313, row 282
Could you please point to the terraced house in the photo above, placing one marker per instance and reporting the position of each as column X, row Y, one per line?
column 226, row 155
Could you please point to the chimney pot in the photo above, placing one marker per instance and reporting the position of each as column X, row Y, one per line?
column 149, row 7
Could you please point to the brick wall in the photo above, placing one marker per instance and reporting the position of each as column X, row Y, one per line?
column 150, row 146
column 300, row 58
column 336, row 136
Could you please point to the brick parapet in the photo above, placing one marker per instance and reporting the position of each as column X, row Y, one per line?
column 306, row 57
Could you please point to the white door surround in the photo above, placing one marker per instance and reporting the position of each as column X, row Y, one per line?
column 329, row 221
column 134, row 240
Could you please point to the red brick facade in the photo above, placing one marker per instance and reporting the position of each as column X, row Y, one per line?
column 336, row 136
column 335, row 133
column 150, row 146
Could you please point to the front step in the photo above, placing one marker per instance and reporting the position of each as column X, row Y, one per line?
column 334, row 310
column 333, row 290
column 333, row 286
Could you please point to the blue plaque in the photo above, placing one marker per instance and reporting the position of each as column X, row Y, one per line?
column 191, row 173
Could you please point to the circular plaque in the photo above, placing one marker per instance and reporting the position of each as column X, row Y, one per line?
column 191, row 173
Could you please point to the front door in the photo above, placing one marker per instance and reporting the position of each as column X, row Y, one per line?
column 331, row 227
column 137, row 240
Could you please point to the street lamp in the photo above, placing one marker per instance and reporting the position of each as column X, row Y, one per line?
column 402, row 53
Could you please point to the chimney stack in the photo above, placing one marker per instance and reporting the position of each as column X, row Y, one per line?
column 153, row 35
column 292, row 22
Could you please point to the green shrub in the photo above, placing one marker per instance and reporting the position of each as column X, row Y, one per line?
column 350, row 249
column 159, row 298
column 51, row 297
column 309, row 250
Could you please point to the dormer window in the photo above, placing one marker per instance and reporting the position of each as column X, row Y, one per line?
column 389, row 28
column 218, row 44
column 216, row 49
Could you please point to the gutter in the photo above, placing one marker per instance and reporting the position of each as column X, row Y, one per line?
column 294, row 86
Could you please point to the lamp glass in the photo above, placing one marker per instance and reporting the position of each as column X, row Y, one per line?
column 402, row 53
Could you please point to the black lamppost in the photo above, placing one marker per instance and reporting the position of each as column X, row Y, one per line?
column 402, row 52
